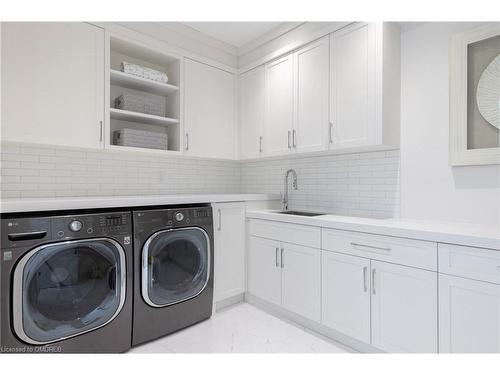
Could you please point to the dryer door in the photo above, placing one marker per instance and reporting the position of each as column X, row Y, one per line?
column 65, row 289
column 175, row 265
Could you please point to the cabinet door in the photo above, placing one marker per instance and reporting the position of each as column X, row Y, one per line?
column 229, row 252
column 353, row 85
column 279, row 106
column 469, row 316
column 264, row 272
column 346, row 294
column 311, row 118
column 210, row 129
column 252, row 107
column 404, row 308
column 53, row 83
column 301, row 280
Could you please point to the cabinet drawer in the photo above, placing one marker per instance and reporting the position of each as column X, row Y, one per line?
column 298, row 234
column 415, row 253
column 470, row 262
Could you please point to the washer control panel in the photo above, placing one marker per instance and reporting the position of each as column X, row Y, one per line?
column 91, row 225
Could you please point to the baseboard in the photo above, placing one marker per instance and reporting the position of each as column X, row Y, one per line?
column 346, row 342
column 229, row 301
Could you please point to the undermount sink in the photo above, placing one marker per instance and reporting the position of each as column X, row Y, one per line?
column 299, row 213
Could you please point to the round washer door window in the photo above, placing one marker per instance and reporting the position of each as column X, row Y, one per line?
column 175, row 266
column 65, row 289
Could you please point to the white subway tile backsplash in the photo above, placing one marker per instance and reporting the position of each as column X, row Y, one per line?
column 364, row 184
column 351, row 184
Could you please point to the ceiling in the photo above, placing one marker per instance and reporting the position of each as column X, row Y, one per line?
column 237, row 34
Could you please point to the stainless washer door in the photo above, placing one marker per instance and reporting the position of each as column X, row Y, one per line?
column 175, row 265
column 65, row 289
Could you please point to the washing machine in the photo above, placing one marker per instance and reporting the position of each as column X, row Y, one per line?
column 66, row 283
column 173, row 274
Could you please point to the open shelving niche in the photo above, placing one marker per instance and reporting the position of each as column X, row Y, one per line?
column 123, row 83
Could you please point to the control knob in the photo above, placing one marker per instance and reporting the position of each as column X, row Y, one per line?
column 75, row 225
column 179, row 216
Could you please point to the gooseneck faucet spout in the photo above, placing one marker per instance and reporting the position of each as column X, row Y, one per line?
column 284, row 197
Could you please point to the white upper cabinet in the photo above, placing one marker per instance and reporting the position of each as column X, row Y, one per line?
column 404, row 309
column 353, row 86
column 311, row 124
column 209, row 111
column 279, row 106
column 365, row 85
column 251, row 112
column 53, row 83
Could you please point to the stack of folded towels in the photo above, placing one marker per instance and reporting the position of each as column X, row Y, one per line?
column 140, row 138
column 143, row 72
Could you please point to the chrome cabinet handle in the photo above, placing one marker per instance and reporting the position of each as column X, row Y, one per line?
column 289, row 139
column 282, row 263
column 365, row 287
column 187, row 141
column 294, row 143
column 373, row 281
column 220, row 220
column 100, row 131
column 330, row 131
column 260, row 144
column 355, row 244
column 277, row 251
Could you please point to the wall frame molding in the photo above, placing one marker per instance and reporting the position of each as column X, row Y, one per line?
column 459, row 154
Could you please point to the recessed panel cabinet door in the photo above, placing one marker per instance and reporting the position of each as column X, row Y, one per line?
column 469, row 316
column 210, row 126
column 404, row 308
column 279, row 106
column 353, row 95
column 264, row 272
column 229, row 252
column 346, row 294
column 53, row 83
column 312, row 96
column 252, row 108
column 301, row 280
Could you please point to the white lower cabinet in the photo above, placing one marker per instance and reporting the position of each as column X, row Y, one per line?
column 346, row 294
column 301, row 280
column 229, row 252
column 287, row 275
column 469, row 316
column 264, row 272
column 404, row 308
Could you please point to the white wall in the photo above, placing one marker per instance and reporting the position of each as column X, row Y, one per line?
column 430, row 188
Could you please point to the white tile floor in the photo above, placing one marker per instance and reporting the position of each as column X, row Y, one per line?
column 242, row 329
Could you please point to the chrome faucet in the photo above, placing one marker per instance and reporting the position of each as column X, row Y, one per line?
column 284, row 196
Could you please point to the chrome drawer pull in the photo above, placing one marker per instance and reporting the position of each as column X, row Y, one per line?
column 277, row 262
column 354, row 244
column 282, row 264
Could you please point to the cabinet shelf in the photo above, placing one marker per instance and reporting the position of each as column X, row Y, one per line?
column 137, row 83
column 144, row 118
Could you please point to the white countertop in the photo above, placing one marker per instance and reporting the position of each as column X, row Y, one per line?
column 75, row 203
column 445, row 232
